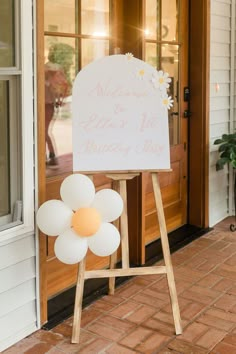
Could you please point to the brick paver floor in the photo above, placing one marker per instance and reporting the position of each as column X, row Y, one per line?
column 138, row 318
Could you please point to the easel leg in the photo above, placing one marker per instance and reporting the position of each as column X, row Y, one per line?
column 78, row 302
column 113, row 261
column 113, row 257
column 124, row 227
column 122, row 224
column 166, row 254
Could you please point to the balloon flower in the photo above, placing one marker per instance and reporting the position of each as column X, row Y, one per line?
column 81, row 220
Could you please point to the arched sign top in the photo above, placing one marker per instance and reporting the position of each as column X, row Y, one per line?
column 120, row 118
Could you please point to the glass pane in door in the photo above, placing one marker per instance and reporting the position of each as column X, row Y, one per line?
column 169, row 20
column 60, row 16
column 170, row 64
column 95, row 17
column 161, row 20
column 162, row 51
column 83, row 37
column 92, row 49
column 60, row 71
column 152, row 54
column 152, row 28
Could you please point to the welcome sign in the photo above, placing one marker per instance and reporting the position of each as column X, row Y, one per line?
column 120, row 116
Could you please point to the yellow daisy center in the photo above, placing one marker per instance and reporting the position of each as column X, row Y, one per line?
column 141, row 72
column 161, row 80
column 165, row 101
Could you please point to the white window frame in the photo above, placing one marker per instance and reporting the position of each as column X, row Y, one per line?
column 24, row 69
column 15, row 155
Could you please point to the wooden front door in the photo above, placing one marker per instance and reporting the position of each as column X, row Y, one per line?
column 71, row 34
column 165, row 45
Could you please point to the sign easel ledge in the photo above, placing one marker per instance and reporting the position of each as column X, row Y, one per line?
column 119, row 184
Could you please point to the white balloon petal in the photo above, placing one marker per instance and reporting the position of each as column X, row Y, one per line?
column 77, row 191
column 53, row 217
column 105, row 241
column 109, row 204
column 70, row 248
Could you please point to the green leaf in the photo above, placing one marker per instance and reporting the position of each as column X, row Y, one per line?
column 226, row 137
column 233, row 163
column 223, row 147
column 227, row 150
column 225, row 154
column 218, row 141
column 221, row 162
column 232, row 156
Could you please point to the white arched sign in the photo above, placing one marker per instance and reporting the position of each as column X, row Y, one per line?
column 120, row 116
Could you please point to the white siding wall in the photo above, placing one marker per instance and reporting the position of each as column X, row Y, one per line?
column 17, row 290
column 18, row 277
column 221, row 59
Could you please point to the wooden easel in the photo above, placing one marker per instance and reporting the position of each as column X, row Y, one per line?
column 111, row 273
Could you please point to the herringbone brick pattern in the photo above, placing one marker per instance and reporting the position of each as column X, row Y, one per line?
column 138, row 318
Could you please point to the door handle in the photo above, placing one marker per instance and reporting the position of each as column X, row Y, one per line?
column 174, row 113
column 187, row 114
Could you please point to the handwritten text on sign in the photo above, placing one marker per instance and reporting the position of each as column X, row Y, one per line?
column 120, row 120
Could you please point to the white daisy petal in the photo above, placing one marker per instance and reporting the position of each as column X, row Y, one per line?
column 109, row 204
column 161, row 80
column 129, row 56
column 70, row 248
column 167, row 101
column 77, row 191
column 54, row 217
column 105, row 241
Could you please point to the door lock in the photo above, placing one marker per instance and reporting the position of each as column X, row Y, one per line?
column 186, row 94
column 187, row 114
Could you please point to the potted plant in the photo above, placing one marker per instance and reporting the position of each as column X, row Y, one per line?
column 227, row 150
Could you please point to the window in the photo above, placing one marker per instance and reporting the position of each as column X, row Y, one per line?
column 76, row 33
column 16, row 112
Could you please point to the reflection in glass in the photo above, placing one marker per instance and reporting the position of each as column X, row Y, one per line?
column 7, row 43
column 153, row 20
column 161, row 20
column 60, row 16
column 168, row 61
column 95, row 17
column 86, row 24
column 170, row 64
column 161, row 30
column 169, row 29
column 69, row 60
column 4, row 150
column 59, row 77
column 93, row 49
column 152, row 54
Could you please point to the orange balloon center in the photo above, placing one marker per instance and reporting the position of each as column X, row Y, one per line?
column 86, row 221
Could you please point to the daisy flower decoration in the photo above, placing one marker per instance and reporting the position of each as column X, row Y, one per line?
column 129, row 56
column 167, row 101
column 81, row 220
column 140, row 73
column 161, row 80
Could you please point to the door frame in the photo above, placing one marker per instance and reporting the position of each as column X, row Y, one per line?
column 199, row 55
column 199, row 78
